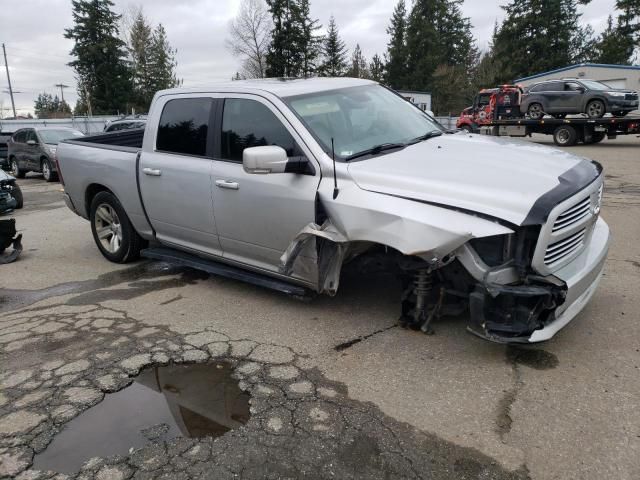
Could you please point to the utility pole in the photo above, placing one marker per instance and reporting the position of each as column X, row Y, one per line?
column 6, row 65
column 61, row 86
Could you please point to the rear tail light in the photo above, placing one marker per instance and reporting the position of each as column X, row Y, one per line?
column 55, row 158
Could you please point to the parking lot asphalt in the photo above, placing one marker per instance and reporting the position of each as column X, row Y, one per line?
column 337, row 389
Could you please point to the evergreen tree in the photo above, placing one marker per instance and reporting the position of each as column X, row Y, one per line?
column 376, row 68
column 540, row 35
column 162, row 60
column 104, row 77
column 310, row 44
column 47, row 106
column 358, row 68
column 438, row 35
column 139, row 49
column 335, row 52
column 295, row 47
column 617, row 43
column 397, row 66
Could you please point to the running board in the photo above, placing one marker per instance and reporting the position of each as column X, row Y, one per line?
column 176, row 257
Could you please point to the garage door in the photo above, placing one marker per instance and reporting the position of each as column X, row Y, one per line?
column 616, row 83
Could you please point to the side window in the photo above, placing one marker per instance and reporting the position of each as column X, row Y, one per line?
column 184, row 125
column 20, row 136
column 248, row 123
column 554, row 87
column 536, row 88
column 571, row 87
column 31, row 135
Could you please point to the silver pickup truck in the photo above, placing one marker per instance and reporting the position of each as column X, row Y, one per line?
column 284, row 182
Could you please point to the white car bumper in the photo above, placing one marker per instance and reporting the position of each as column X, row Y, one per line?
column 582, row 276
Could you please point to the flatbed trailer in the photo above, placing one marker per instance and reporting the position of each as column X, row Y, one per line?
column 566, row 131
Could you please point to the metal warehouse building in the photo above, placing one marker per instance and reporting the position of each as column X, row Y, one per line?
column 616, row 76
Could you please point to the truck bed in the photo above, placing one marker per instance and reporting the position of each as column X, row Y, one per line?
column 104, row 162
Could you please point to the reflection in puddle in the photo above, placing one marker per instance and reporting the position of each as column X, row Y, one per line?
column 162, row 403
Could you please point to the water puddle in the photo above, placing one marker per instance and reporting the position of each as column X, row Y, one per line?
column 162, row 403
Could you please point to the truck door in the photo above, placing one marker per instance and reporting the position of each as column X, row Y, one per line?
column 175, row 172
column 259, row 215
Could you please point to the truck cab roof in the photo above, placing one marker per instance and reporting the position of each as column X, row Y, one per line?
column 280, row 87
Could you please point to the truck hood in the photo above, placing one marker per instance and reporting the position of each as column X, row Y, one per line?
column 499, row 177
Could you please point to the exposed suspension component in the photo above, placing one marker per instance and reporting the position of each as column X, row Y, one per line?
column 417, row 297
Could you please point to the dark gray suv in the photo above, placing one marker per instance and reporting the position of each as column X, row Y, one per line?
column 571, row 96
column 34, row 149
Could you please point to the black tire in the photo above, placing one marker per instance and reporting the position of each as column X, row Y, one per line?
column 565, row 136
column 126, row 248
column 466, row 128
column 16, row 193
column 15, row 169
column 535, row 111
column 597, row 137
column 47, row 171
column 595, row 109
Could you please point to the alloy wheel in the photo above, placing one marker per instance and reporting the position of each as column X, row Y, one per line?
column 595, row 110
column 46, row 172
column 14, row 168
column 108, row 228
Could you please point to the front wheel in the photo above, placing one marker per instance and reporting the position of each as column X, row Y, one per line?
column 112, row 231
column 595, row 109
column 47, row 171
column 565, row 136
column 15, row 170
column 16, row 193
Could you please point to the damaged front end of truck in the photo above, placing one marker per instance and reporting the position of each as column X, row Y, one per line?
column 489, row 278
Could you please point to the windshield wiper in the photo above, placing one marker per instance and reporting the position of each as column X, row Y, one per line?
column 426, row 136
column 376, row 149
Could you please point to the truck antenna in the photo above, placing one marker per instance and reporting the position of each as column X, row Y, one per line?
column 335, row 179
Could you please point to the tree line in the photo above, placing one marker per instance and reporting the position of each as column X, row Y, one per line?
column 431, row 46
column 119, row 61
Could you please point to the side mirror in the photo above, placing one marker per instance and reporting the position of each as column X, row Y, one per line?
column 581, row 89
column 267, row 159
column 31, row 142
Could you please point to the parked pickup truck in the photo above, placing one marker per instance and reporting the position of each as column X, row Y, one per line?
column 282, row 182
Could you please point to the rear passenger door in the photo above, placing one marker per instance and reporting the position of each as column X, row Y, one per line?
column 32, row 151
column 553, row 93
column 175, row 173
column 259, row 215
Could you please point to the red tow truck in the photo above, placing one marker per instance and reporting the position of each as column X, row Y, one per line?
column 496, row 111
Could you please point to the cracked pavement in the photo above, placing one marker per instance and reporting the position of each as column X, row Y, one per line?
column 337, row 391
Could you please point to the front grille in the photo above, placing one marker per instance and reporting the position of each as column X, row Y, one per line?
column 572, row 215
column 565, row 247
column 631, row 96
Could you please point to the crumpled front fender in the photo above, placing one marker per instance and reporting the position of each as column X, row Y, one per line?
column 411, row 227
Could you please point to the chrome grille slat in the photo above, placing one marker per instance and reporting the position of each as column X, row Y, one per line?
column 565, row 247
column 558, row 245
column 572, row 215
column 571, row 220
column 580, row 205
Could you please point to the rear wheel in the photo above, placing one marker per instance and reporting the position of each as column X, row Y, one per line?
column 535, row 111
column 597, row 137
column 47, row 171
column 595, row 109
column 112, row 231
column 15, row 169
column 565, row 136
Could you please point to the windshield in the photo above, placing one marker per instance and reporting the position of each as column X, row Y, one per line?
column 360, row 119
column 592, row 85
column 56, row 136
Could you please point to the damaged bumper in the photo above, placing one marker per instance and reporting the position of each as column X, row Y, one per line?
column 534, row 313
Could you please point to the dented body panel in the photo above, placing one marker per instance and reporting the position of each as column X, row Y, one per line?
column 504, row 230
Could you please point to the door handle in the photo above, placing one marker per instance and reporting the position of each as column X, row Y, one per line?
column 227, row 184
column 154, row 172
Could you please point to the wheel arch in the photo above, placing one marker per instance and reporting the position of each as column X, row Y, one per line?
column 90, row 193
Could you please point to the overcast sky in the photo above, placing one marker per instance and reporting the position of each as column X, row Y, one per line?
column 37, row 51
